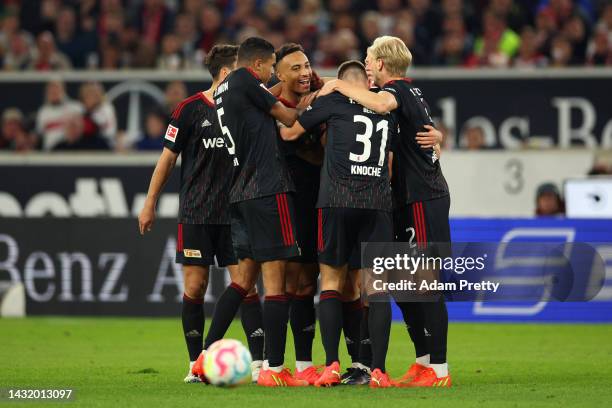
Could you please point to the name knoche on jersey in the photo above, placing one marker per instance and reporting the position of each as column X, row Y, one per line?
column 365, row 170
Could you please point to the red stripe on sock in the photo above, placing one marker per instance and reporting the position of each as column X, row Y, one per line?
column 276, row 298
column 302, row 297
column 329, row 294
column 353, row 305
column 281, row 217
column 239, row 288
column 188, row 299
column 288, row 214
column 251, row 299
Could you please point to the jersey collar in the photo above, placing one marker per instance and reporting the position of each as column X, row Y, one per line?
column 409, row 80
column 206, row 100
column 254, row 74
column 286, row 102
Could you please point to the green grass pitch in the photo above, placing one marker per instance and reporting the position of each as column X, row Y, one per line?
column 141, row 363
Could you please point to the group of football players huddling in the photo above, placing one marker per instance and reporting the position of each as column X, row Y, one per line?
column 284, row 175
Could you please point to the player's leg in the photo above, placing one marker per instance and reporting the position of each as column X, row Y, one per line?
column 351, row 314
column 355, row 327
column 194, row 253
column 250, row 310
column 412, row 313
column 270, row 227
column 377, row 226
column 302, row 317
column 242, row 282
column 435, row 230
column 334, row 250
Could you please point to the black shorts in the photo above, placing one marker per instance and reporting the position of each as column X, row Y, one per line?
column 342, row 230
column 263, row 229
column 423, row 222
column 306, row 177
column 199, row 244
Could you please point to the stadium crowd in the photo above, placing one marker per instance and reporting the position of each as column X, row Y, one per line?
column 176, row 34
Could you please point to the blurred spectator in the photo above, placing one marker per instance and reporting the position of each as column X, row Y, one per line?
column 143, row 33
column 186, row 35
column 175, row 93
column 52, row 115
column 561, row 52
column 455, row 45
column 574, row 31
column 498, row 43
column 77, row 46
column 75, row 138
column 18, row 56
column 211, row 24
column 171, row 57
column 474, row 138
column 599, row 51
column 549, row 201
column 155, row 128
column 14, row 134
column 153, row 19
column 46, row 57
column 510, row 11
column 99, row 115
column 528, row 55
column 369, row 30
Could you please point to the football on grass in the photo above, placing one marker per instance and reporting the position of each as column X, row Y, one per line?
column 227, row 362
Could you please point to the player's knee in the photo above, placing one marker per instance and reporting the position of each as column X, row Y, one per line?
column 196, row 288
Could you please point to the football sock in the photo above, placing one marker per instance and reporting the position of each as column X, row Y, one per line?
column 436, row 323
column 423, row 360
column 351, row 318
column 330, row 319
column 302, row 365
column 379, row 320
column 193, row 325
column 365, row 346
column 275, row 317
column 413, row 315
column 303, row 322
column 225, row 311
column 440, row 369
column 277, row 369
column 251, row 316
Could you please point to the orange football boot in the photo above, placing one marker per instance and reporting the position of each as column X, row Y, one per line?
column 428, row 378
column 269, row 378
column 380, row 380
column 331, row 376
column 198, row 367
column 411, row 374
column 311, row 374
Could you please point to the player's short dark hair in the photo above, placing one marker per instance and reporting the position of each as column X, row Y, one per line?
column 352, row 66
column 220, row 56
column 287, row 49
column 254, row 48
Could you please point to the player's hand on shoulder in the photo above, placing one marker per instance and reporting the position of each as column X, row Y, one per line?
column 329, row 87
column 430, row 138
column 146, row 218
column 306, row 100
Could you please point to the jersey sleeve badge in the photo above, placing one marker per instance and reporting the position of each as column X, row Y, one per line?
column 171, row 133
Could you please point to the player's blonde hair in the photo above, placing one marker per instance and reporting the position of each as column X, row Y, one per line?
column 393, row 52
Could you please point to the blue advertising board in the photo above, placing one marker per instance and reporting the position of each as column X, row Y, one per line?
column 598, row 233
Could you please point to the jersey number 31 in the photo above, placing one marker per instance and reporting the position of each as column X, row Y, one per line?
column 365, row 137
